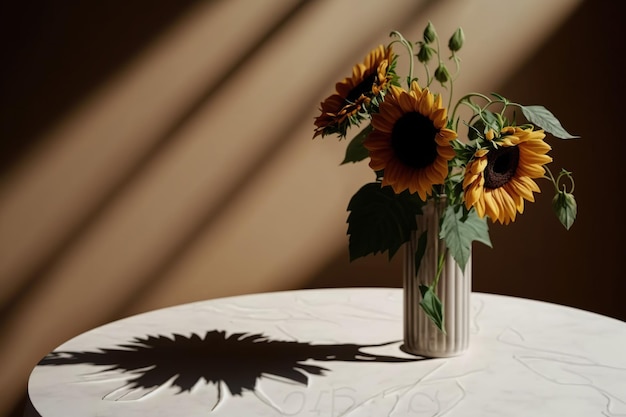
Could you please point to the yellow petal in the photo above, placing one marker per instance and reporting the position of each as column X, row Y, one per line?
column 406, row 103
column 426, row 103
column 491, row 208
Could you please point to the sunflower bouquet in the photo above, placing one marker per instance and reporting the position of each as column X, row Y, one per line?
column 417, row 152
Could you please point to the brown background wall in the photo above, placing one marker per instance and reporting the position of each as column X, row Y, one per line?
column 129, row 181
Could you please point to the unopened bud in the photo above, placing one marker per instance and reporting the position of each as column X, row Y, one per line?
column 441, row 74
column 456, row 41
column 425, row 53
column 429, row 33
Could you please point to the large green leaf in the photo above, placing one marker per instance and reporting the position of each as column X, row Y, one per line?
column 380, row 220
column 543, row 118
column 355, row 151
column 459, row 229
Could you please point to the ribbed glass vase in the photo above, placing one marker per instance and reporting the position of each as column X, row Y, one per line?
column 421, row 335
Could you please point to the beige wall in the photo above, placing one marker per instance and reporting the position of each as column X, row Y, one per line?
column 164, row 155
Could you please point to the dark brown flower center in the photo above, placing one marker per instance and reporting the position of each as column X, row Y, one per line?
column 501, row 166
column 413, row 140
column 364, row 87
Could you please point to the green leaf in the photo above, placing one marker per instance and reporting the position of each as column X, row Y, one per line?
column 543, row 118
column 380, row 220
column 355, row 151
column 488, row 120
column 432, row 306
column 476, row 130
column 459, row 229
column 565, row 207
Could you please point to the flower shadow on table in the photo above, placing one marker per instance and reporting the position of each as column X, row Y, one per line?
column 238, row 360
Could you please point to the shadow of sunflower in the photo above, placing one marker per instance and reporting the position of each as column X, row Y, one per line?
column 238, row 361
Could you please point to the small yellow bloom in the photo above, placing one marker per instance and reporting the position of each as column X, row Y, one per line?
column 499, row 179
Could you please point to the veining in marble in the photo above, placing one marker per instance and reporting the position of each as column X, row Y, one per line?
column 336, row 352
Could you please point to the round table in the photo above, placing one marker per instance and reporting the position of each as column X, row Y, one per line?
column 334, row 352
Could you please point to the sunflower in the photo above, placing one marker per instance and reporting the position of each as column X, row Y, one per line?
column 499, row 178
column 368, row 82
column 410, row 141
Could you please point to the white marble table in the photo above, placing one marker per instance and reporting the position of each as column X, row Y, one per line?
column 334, row 352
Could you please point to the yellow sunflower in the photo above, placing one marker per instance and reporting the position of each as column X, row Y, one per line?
column 355, row 93
column 410, row 141
column 500, row 178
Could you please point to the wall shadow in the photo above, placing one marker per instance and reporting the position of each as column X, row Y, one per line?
column 55, row 53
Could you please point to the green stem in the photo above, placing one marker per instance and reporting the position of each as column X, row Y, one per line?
column 457, row 63
column 438, row 59
column 409, row 49
column 569, row 177
column 466, row 99
column 442, row 257
column 442, row 254
column 451, row 93
column 571, row 180
column 410, row 76
column 458, row 71
column 556, row 181
column 551, row 178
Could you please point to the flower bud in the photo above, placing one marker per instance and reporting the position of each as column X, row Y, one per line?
column 456, row 41
column 425, row 53
column 441, row 74
column 429, row 33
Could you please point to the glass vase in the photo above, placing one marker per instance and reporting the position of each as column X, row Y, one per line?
column 421, row 335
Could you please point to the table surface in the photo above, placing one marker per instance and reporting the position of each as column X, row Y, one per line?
column 335, row 352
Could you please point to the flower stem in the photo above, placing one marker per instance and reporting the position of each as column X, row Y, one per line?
column 442, row 254
column 409, row 49
column 442, row 257
column 557, row 181
column 466, row 99
column 451, row 93
column 458, row 71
